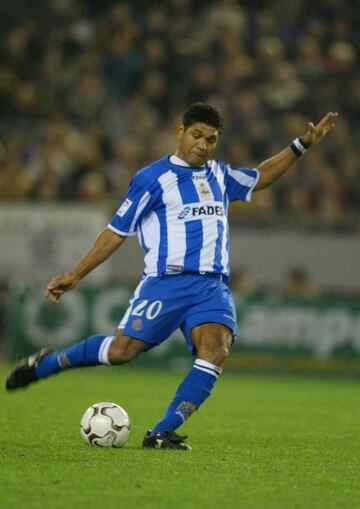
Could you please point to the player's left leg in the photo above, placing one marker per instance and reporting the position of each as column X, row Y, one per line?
column 212, row 342
column 92, row 351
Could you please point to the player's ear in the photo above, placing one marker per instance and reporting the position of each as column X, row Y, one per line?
column 180, row 129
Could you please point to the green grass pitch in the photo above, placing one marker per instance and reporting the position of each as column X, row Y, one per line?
column 264, row 442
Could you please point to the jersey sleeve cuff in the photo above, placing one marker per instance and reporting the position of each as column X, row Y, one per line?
column 119, row 232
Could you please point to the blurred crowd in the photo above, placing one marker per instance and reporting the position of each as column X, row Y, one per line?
column 297, row 283
column 91, row 91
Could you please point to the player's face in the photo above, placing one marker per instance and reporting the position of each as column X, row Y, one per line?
column 196, row 143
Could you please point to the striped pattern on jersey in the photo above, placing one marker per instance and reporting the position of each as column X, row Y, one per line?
column 180, row 215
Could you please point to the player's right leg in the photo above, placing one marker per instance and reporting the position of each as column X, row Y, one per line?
column 92, row 351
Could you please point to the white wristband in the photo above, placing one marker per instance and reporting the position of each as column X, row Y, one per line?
column 298, row 147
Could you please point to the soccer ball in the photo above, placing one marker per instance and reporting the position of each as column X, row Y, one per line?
column 106, row 425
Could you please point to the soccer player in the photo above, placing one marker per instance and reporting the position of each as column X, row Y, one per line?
column 178, row 207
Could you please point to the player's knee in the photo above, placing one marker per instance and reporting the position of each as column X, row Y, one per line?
column 220, row 355
column 212, row 342
column 215, row 353
column 118, row 354
column 123, row 349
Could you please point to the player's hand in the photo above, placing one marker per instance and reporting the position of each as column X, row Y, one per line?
column 59, row 285
column 317, row 132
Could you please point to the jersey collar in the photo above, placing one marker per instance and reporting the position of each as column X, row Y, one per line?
column 180, row 162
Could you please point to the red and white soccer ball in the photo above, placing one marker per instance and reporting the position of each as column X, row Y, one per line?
column 105, row 425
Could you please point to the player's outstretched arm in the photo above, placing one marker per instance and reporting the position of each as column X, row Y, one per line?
column 105, row 244
column 273, row 168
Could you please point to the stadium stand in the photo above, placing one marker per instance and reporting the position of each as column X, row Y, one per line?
column 89, row 94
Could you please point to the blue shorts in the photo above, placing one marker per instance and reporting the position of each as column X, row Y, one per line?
column 162, row 304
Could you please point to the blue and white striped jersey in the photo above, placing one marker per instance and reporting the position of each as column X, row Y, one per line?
column 180, row 214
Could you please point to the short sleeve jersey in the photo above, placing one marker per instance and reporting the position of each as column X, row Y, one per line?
column 179, row 214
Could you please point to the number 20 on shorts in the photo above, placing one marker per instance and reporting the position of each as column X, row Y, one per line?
column 151, row 309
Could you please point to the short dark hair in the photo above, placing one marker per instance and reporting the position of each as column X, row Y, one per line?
column 202, row 112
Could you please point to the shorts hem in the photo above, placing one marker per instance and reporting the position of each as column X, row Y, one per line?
column 140, row 337
column 232, row 326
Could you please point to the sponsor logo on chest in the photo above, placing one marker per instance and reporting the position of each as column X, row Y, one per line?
column 198, row 211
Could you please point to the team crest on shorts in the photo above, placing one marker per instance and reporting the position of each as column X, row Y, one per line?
column 137, row 324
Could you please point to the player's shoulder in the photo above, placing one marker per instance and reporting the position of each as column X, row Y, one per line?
column 218, row 165
column 149, row 174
